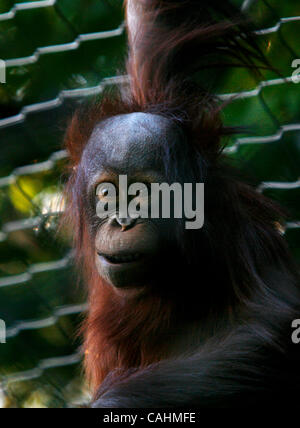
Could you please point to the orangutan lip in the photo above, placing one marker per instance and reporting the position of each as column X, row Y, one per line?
column 119, row 259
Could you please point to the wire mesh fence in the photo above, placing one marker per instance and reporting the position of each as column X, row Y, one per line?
column 58, row 53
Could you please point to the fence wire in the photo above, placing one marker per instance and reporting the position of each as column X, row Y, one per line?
column 29, row 208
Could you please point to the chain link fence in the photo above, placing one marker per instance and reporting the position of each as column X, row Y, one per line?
column 57, row 53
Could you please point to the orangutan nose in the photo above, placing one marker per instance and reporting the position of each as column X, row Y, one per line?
column 125, row 223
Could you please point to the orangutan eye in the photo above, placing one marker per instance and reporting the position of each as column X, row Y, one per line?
column 104, row 191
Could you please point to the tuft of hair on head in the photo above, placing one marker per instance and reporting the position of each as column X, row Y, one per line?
column 170, row 44
column 170, row 41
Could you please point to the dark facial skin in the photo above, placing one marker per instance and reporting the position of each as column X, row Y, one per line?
column 128, row 251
